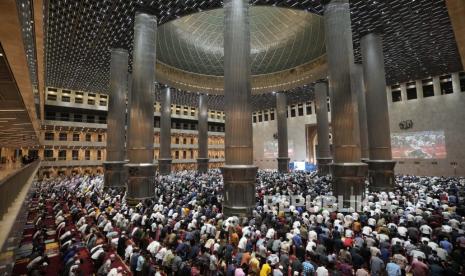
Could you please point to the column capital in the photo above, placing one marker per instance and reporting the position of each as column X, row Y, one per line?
column 119, row 49
column 377, row 30
column 145, row 9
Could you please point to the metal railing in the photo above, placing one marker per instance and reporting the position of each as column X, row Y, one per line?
column 13, row 184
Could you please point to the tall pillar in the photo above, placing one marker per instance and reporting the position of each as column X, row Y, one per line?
column 359, row 86
column 164, row 160
column 239, row 173
column 281, row 120
column 141, row 170
column 389, row 94
column 403, row 92
column 323, row 153
column 202, row 159
column 456, row 83
column 419, row 87
column 380, row 165
column 115, row 172
column 347, row 170
column 437, row 86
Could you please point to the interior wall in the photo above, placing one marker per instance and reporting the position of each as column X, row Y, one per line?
column 297, row 140
column 441, row 112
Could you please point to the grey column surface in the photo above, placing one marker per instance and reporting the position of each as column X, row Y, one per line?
column 403, row 92
column 239, row 173
column 281, row 120
column 323, row 153
column 419, row 87
column 141, row 170
column 436, row 86
column 202, row 159
column 389, row 94
column 164, row 160
column 347, row 170
column 456, row 82
column 115, row 174
column 128, row 110
column 380, row 165
column 359, row 85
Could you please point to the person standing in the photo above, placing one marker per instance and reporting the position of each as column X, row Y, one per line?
column 419, row 268
column 376, row 265
column 393, row 269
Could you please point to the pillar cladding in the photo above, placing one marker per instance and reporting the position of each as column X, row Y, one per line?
column 323, row 157
column 115, row 172
column 164, row 160
column 359, row 85
column 380, row 165
column 141, row 170
column 202, row 160
column 347, row 171
column 281, row 110
column 239, row 173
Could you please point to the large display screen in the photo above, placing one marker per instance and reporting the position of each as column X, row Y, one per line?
column 270, row 149
column 419, row 145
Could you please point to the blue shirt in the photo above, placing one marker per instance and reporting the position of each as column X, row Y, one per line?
column 393, row 269
column 446, row 245
column 308, row 268
column 297, row 240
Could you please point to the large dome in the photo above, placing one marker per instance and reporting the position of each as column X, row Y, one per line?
column 190, row 49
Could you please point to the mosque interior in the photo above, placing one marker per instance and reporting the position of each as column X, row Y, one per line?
column 234, row 137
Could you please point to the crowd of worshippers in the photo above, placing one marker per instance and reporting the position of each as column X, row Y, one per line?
column 182, row 231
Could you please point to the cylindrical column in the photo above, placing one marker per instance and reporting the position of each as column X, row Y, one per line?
column 403, row 92
column 239, row 172
column 347, row 170
column 436, row 86
column 141, row 170
column 128, row 110
column 419, row 87
column 281, row 120
column 323, row 153
column 164, row 160
column 115, row 172
column 456, row 83
column 202, row 159
column 359, row 86
column 380, row 165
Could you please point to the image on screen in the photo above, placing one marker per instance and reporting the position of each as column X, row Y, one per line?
column 270, row 149
column 419, row 145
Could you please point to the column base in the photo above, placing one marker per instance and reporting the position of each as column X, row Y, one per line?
column 349, row 183
column 381, row 175
column 164, row 166
column 283, row 164
column 202, row 165
column 323, row 164
column 141, row 182
column 239, row 190
column 115, row 174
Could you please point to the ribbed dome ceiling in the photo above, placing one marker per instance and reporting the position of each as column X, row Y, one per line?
column 281, row 39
